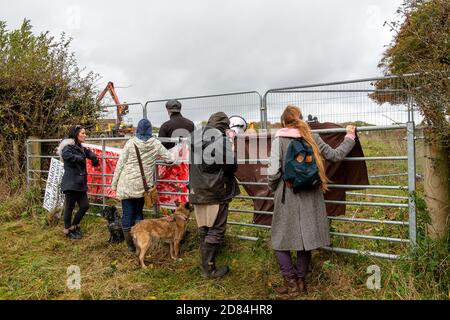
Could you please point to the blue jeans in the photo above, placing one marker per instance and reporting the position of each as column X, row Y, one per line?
column 132, row 212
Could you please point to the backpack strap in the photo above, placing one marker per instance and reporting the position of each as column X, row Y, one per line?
column 284, row 191
column 283, row 196
column 305, row 145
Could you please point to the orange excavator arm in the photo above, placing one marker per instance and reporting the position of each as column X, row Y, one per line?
column 121, row 109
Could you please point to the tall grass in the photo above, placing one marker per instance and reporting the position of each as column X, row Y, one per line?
column 35, row 256
column 34, row 259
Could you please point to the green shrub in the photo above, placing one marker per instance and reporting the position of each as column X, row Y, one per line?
column 429, row 263
column 21, row 204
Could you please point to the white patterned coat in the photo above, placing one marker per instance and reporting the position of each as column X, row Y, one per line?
column 127, row 180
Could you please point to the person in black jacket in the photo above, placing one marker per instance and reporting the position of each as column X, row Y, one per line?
column 74, row 181
column 177, row 126
column 212, row 187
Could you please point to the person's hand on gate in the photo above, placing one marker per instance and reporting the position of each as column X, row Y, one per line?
column 350, row 129
column 351, row 132
column 95, row 162
column 231, row 134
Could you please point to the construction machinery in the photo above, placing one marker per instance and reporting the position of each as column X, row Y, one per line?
column 114, row 127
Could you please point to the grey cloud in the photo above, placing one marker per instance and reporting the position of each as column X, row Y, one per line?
column 167, row 49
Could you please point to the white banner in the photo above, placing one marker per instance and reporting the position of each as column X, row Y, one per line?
column 53, row 197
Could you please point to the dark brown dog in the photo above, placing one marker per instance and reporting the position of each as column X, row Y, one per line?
column 171, row 229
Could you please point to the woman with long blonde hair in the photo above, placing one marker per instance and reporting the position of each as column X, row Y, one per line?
column 300, row 220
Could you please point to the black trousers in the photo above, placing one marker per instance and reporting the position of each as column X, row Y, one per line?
column 72, row 198
column 216, row 233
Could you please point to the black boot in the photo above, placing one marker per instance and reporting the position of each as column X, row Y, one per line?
column 77, row 232
column 208, row 252
column 202, row 234
column 129, row 241
column 202, row 243
column 71, row 234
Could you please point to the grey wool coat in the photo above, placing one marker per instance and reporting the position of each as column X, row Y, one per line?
column 300, row 223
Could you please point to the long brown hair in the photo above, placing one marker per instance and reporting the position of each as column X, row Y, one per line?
column 292, row 117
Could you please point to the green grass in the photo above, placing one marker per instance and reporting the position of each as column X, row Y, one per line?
column 34, row 257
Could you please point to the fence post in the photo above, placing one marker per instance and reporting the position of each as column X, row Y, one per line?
column 16, row 156
column 35, row 162
column 103, row 172
column 145, row 110
column 263, row 108
column 411, row 181
column 27, row 158
column 155, row 183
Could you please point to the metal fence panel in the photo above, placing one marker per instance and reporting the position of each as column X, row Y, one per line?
column 345, row 101
column 339, row 102
column 199, row 108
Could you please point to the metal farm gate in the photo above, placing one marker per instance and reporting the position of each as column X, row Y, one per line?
column 380, row 216
column 385, row 209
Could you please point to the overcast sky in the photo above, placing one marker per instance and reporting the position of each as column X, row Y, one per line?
column 161, row 49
